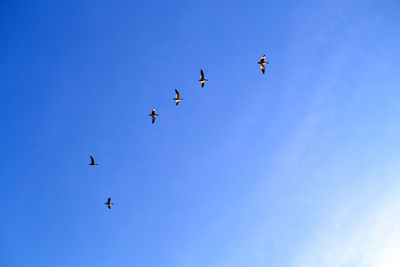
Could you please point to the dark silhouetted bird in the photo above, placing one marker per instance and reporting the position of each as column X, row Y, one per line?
column 177, row 98
column 262, row 63
column 202, row 80
column 153, row 115
column 92, row 162
column 108, row 203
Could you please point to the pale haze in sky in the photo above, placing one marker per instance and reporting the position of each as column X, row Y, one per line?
column 298, row 167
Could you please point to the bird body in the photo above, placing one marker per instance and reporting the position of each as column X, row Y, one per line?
column 202, row 80
column 262, row 63
column 177, row 98
column 92, row 163
column 108, row 203
column 153, row 115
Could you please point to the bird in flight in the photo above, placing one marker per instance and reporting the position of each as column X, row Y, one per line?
column 92, row 162
column 262, row 63
column 108, row 203
column 202, row 80
column 153, row 115
column 177, row 98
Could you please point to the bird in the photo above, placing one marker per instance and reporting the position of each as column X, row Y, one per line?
column 177, row 98
column 92, row 162
column 108, row 203
column 202, row 80
column 262, row 63
column 153, row 115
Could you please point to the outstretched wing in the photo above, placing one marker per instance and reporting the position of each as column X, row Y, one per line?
column 177, row 93
column 91, row 160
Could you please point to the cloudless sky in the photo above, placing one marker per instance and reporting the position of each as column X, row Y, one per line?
column 297, row 167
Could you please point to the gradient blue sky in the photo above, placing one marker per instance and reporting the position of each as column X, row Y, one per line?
column 298, row 167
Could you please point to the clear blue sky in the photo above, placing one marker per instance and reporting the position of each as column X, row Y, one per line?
column 298, row 167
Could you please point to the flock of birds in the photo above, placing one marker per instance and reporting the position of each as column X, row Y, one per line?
column 177, row 100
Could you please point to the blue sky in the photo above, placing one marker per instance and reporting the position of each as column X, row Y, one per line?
column 298, row 167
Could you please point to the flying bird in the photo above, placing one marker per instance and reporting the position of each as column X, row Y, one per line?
column 108, row 203
column 177, row 98
column 202, row 80
column 153, row 115
column 262, row 63
column 92, row 162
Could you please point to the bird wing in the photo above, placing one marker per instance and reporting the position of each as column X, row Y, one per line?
column 177, row 93
column 91, row 160
column 201, row 74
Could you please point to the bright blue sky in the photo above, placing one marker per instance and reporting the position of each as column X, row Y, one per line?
column 298, row 167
